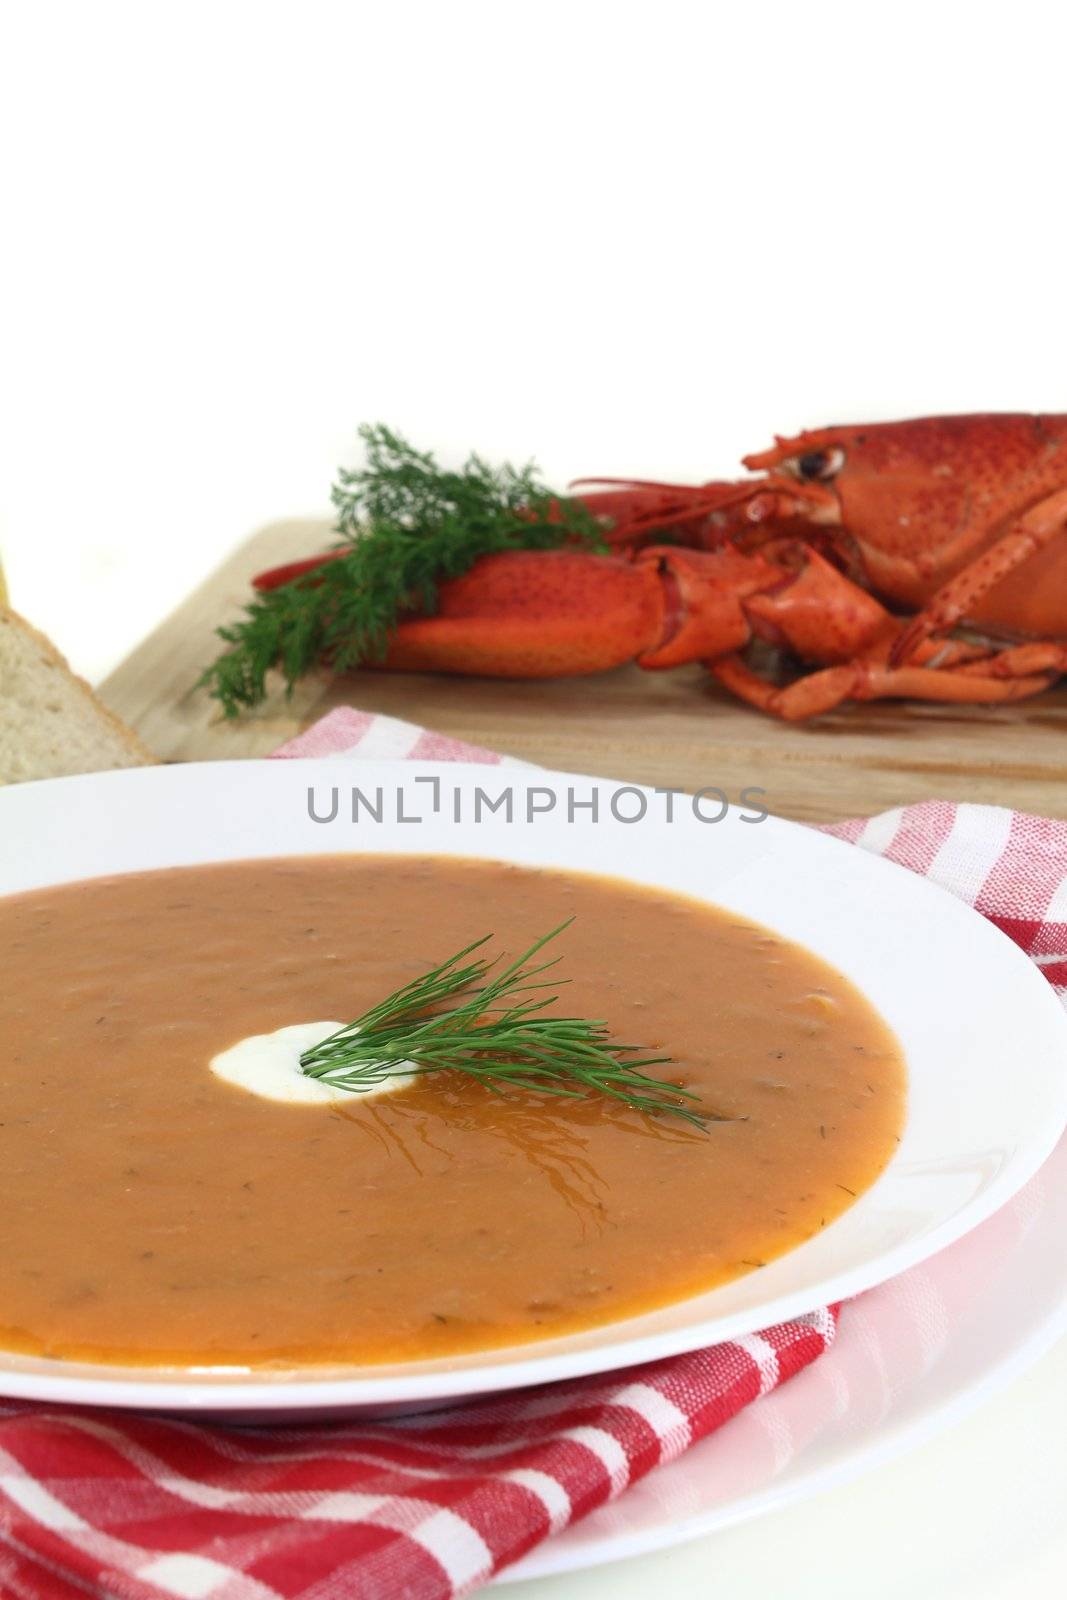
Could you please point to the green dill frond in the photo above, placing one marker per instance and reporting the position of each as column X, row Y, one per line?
column 405, row 525
column 500, row 1031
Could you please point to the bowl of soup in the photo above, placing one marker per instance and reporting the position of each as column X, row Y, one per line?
column 877, row 1068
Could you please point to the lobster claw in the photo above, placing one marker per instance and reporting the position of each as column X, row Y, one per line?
column 535, row 614
column 563, row 613
column 787, row 594
column 704, row 602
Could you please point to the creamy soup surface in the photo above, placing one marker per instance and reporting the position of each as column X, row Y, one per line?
column 153, row 1213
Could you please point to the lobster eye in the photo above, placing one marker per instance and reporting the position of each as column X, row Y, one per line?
column 820, row 465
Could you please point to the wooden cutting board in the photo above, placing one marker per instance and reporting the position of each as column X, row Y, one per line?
column 673, row 728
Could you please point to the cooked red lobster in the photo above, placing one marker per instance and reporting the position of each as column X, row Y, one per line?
column 922, row 560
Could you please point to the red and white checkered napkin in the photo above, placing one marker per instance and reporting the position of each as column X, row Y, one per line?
column 431, row 1506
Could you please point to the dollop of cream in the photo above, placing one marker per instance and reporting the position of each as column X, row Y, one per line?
column 268, row 1064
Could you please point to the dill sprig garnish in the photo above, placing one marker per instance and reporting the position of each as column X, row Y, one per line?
column 404, row 525
column 496, row 1031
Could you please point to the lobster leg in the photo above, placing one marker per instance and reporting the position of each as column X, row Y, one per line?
column 1034, row 529
column 975, row 683
column 1020, row 661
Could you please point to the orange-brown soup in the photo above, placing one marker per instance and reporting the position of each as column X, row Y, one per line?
column 155, row 1214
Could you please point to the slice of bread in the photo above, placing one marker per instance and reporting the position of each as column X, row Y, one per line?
column 51, row 722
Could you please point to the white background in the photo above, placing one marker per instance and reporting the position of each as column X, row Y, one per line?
column 617, row 237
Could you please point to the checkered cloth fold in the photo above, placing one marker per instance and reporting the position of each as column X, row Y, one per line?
column 107, row 1504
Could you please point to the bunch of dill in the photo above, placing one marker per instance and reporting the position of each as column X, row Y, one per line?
column 404, row 525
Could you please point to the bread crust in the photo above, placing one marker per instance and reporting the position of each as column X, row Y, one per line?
column 137, row 750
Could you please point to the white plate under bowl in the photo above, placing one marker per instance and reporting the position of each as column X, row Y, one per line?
column 984, row 1036
column 911, row 1358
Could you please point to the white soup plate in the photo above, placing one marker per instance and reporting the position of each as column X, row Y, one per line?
column 984, row 1037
